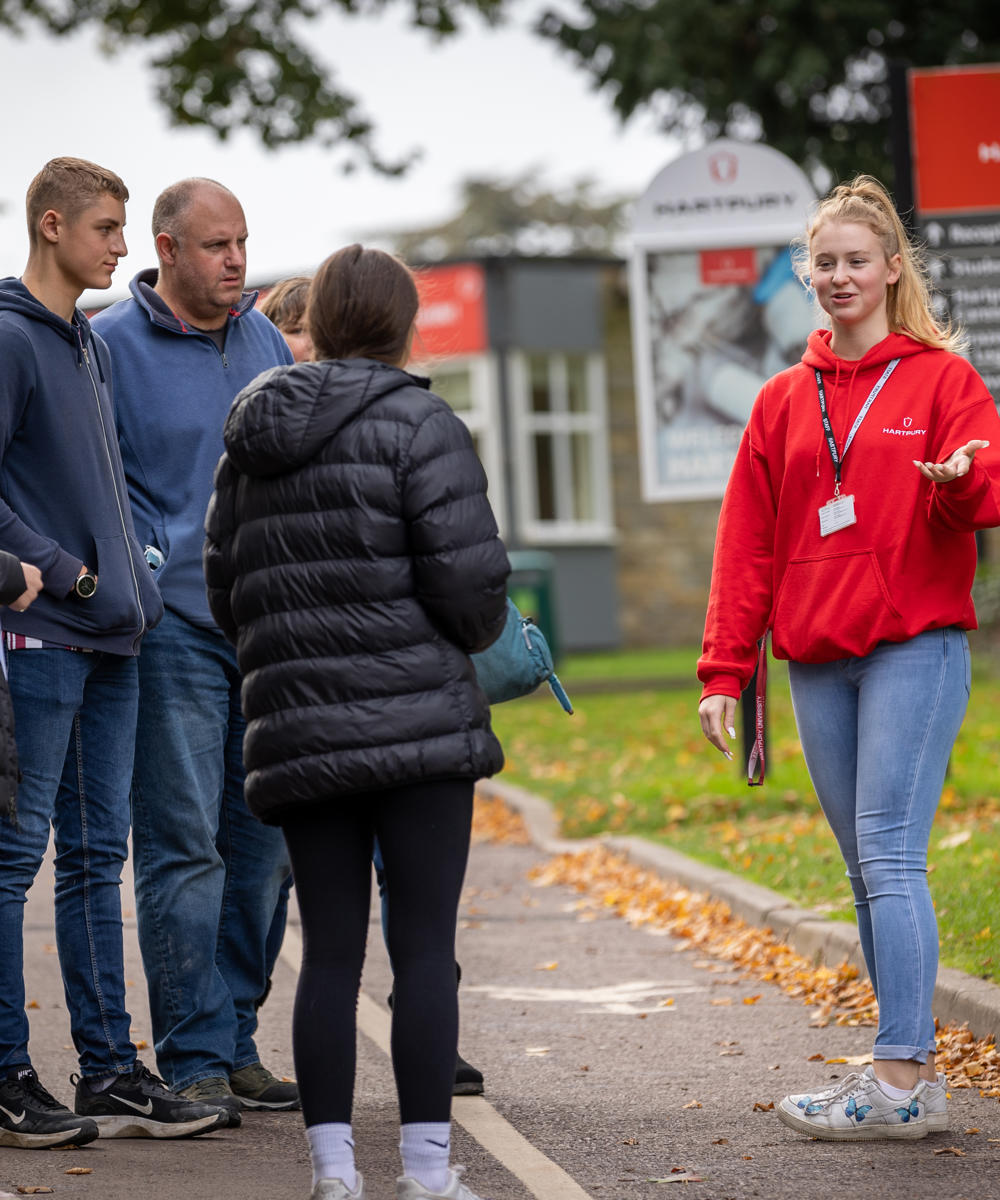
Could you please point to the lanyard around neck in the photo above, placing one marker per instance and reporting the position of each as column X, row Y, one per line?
column 838, row 456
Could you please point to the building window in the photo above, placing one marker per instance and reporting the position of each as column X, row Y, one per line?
column 560, row 430
column 469, row 386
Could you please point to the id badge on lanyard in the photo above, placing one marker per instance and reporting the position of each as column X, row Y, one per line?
column 838, row 512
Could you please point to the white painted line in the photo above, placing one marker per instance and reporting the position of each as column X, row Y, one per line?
column 543, row 1178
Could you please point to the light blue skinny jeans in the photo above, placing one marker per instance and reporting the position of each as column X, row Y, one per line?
column 877, row 733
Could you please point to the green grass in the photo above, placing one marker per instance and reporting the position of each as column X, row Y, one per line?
column 635, row 762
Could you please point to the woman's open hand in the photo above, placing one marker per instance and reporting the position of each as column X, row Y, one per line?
column 957, row 465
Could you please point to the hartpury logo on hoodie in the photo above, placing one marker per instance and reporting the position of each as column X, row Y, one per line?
column 906, row 431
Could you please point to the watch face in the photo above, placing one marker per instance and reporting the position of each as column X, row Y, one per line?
column 86, row 585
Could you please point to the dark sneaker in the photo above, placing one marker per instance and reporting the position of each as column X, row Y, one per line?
column 141, row 1105
column 468, row 1080
column 256, row 1087
column 215, row 1090
column 32, row 1119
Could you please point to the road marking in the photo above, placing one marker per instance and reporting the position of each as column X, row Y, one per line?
column 543, row 1178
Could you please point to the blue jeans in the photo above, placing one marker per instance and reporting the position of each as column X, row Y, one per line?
column 75, row 719
column 877, row 733
column 207, row 873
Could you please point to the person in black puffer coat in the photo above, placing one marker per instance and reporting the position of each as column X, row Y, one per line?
column 20, row 583
column 353, row 559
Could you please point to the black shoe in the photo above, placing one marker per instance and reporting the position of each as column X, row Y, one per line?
column 468, row 1081
column 141, row 1105
column 216, row 1090
column 32, row 1119
column 255, row 1087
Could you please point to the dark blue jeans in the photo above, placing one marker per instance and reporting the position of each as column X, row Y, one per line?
column 207, row 873
column 75, row 719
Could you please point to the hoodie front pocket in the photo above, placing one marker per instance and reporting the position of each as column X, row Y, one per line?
column 113, row 608
column 831, row 605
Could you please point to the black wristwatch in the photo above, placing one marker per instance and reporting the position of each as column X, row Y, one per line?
column 85, row 585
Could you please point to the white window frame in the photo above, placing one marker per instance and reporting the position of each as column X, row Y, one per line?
column 560, row 422
column 482, row 419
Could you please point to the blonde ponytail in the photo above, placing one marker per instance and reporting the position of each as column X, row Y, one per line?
column 909, row 307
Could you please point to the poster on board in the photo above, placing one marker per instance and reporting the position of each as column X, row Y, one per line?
column 716, row 307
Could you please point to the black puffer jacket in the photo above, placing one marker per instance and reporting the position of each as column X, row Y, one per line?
column 353, row 558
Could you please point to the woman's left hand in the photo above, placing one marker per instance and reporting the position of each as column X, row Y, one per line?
column 956, row 466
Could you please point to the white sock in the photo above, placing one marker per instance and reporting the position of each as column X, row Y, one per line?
column 331, row 1147
column 425, row 1148
column 894, row 1093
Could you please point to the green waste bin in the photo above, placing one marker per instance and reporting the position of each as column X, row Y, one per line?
column 530, row 586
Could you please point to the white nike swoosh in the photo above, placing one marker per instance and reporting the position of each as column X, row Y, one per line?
column 16, row 1120
column 146, row 1108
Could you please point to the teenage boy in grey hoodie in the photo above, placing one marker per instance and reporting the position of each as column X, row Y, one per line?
column 72, row 668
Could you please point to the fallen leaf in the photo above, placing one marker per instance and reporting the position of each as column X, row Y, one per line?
column 751, row 999
column 730, row 1053
column 536, row 1050
column 763, row 1106
column 549, row 966
column 667, row 1003
column 79, row 1171
column 816, row 1058
column 951, row 1150
column 141, row 1044
column 686, row 1177
column 32, row 1004
column 27, row 1190
column 831, row 1061
column 630, row 1141
column 585, row 1068
column 692, row 1104
column 720, row 1142
column 721, row 1001
column 973, row 1129
column 748, row 1158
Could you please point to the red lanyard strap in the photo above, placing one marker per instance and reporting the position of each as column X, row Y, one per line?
column 755, row 765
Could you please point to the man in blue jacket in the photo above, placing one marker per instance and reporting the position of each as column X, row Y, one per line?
column 72, row 669
column 207, row 873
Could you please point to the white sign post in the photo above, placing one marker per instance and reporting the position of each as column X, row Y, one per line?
column 716, row 308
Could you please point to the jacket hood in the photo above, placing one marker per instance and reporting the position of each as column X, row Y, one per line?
column 282, row 419
column 819, row 356
column 15, row 297
column 143, row 288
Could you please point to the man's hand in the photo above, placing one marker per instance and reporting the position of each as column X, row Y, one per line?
column 33, row 578
column 718, row 714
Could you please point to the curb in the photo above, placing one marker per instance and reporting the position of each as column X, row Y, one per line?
column 958, row 998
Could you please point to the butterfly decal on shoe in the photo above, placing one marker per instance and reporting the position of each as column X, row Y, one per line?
column 857, row 1111
column 911, row 1110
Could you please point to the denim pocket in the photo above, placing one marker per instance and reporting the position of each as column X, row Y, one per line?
column 827, row 600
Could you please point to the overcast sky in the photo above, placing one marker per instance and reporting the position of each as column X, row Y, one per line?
column 487, row 101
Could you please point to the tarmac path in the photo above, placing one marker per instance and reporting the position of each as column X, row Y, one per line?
column 616, row 1064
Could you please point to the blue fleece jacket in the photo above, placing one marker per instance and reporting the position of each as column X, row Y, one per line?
column 63, row 499
column 173, row 391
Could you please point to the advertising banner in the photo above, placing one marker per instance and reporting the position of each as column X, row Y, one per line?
column 955, row 136
column 716, row 307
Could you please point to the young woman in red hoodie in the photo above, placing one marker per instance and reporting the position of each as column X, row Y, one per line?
column 848, row 529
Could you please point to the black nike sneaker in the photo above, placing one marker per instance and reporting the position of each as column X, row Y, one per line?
column 32, row 1119
column 140, row 1104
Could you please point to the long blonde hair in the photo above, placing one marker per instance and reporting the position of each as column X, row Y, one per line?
column 909, row 308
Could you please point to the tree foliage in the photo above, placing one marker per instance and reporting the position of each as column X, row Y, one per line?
column 520, row 216
column 241, row 64
column 809, row 77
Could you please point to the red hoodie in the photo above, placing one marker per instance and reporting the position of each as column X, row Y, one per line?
column 908, row 563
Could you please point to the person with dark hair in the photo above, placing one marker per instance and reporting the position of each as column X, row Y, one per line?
column 207, row 875
column 848, row 529
column 72, row 669
column 353, row 558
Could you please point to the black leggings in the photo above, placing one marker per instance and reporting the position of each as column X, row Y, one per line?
column 423, row 831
